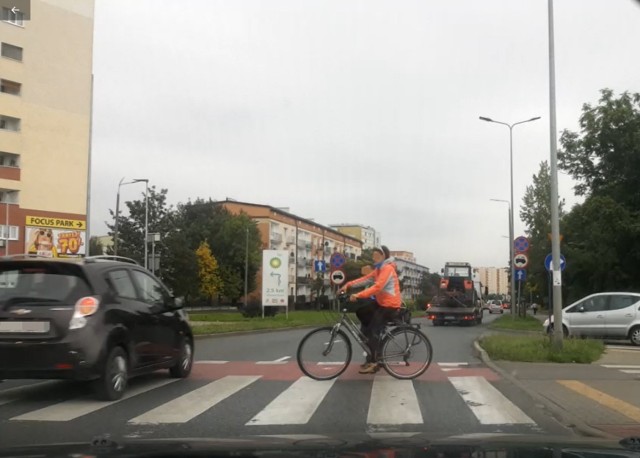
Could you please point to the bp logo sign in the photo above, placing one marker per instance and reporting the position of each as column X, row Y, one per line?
column 275, row 263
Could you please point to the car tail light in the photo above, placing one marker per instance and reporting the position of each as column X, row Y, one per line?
column 432, row 317
column 85, row 307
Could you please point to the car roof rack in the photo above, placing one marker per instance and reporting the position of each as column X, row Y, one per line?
column 110, row 257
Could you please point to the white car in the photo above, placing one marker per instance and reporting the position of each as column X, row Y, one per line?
column 495, row 307
column 602, row 315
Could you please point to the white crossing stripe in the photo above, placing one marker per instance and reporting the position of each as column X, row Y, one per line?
column 621, row 366
column 487, row 403
column 211, row 362
column 74, row 408
column 632, row 371
column 295, row 405
column 192, row 404
column 393, row 402
column 452, row 364
column 274, row 363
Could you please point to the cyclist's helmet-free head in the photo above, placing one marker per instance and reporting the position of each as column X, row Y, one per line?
column 383, row 250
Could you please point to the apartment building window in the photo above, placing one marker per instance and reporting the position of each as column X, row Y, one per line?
column 13, row 232
column 11, row 51
column 10, row 87
column 12, row 16
column 9, row 123
column 8, row 196
column 9, row 160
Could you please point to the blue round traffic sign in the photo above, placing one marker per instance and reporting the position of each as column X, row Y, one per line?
column 337, row 260
column 547, row 262
column 521, row 244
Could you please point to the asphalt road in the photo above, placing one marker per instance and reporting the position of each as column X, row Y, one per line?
column 250, row 385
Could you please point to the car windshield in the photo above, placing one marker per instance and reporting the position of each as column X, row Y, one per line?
column 41, row 283
column 300, row 219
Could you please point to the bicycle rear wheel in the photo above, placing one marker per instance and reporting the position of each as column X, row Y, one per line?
column 406, row 352
column 324, row 353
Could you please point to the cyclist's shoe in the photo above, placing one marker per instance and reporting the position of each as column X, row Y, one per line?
column 370, row 368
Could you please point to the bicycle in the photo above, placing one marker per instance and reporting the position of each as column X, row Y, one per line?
column 325, row 353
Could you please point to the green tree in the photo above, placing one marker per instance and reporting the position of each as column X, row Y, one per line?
column 604, row 157
column 131, row 225
column 535, row 212
column 226, row 235
column 208, row 272
column 95, row 247
column 602, row 235
column 602, row 248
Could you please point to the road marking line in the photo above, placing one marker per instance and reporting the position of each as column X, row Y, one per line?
column 449, row 369
column 274, row 363
column 295, row 405
column 192, row 404
column 620, row 366
column 393, row 402
column 331, row 363
column 634, row 371
column 618, row 405
column 487, row 403
column 453, row 364
column 284, row 358
column 74, row 408
column 211, row 362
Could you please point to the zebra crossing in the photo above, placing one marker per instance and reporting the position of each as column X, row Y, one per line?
column 632, row 369
column 254, row 401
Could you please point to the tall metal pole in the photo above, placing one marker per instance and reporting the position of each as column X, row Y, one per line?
column 146, row 224
column 246, row 269
column 511, row 229
column 555, row 217
column 115, row 229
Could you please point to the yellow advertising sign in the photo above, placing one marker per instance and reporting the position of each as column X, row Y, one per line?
column 58, row 223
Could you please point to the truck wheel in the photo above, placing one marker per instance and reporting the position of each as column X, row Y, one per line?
column 437, row 323
column 479, row 319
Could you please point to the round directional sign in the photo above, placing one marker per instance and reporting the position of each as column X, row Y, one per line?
column 338, row 277
column 520, row 261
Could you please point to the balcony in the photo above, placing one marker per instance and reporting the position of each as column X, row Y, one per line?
column 275, row 238
column 291, row 239
column 304, row 281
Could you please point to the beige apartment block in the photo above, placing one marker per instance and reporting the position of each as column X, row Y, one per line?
column 46, row 58
column 306, row 241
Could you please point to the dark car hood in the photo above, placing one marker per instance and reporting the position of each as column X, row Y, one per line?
column 364, row 446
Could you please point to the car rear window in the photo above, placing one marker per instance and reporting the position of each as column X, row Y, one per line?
column 42, row 282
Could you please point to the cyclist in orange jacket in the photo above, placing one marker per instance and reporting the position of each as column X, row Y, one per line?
column 374, row 313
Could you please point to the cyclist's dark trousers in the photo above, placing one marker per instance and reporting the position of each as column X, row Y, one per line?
column 365, row 312
column 380, row 317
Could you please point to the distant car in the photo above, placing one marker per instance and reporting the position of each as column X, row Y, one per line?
column 89, row 319
column 613, row 315
column 496, row 307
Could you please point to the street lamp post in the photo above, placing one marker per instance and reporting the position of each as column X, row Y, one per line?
column 146, row 213
column 146, row 220
column 511, row 126
column 510, row 247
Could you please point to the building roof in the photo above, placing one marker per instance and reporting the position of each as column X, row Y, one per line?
column 291, row 215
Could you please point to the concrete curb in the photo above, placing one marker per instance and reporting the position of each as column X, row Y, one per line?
column 565, row 417
column 254, row 331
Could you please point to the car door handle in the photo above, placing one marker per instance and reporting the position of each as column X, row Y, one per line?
column 629, row 315
column 600, row 316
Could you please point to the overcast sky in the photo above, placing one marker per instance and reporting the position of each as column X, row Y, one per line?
column 350, row 111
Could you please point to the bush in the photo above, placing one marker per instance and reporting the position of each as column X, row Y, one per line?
column 539, row 349
column 254, row 309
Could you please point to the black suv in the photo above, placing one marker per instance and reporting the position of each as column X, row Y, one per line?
column 100, row 318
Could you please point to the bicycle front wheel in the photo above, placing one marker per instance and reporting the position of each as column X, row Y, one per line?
column 406, row 353
column 324, row 353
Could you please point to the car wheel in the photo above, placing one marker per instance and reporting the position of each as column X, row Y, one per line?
column 113, row 382
column 634, row 335
column 565, row 331
column 501, row 312
column 183, row 365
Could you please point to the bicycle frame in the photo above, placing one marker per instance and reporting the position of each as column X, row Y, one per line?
column 352, row 329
